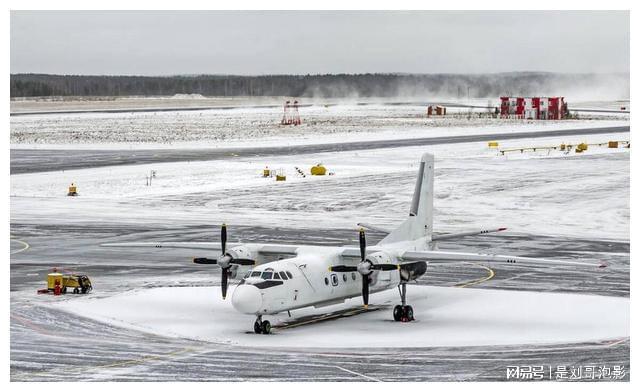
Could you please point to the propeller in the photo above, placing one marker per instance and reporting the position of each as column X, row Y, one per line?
column 365, row 267
column 225, row 261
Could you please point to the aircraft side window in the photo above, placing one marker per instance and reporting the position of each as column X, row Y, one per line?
column 334, row 279
column 283, row 275
column 289, row 275
column 255, row 274
column 344, row 277
column 326, row 281
column 267, row 275
column 353, row 275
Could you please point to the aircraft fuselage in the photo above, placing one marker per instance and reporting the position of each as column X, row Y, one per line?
column 302, row 281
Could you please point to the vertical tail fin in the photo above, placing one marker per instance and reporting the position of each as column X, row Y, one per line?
column 419, row 224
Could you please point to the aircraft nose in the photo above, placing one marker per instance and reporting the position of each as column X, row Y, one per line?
column 246, row 299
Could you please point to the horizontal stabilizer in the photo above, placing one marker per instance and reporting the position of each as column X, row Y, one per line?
column 374, row 228
column 442, row 237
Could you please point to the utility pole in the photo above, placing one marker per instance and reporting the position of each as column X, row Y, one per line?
column 152, row 175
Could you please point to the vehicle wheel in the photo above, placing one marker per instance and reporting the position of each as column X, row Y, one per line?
column 64, row 290
column 76, row 291
column 266, row 327
column 397, row 313
column 409, row 313
column 257, row 327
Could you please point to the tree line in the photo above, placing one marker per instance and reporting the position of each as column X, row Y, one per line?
column 326, row 86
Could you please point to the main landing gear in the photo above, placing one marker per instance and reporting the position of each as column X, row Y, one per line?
column 403, row 312
column 263, row 327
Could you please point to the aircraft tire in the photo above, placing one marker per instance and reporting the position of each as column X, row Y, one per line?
column 409, row 313
column 397, row 312
column 257, row 327
column 266, row 327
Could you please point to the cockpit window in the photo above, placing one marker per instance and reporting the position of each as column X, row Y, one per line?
column 267, row 275
column 276, row 276
column 255, row 274
column 289, row 275
column 247, row 275
column 283, row 276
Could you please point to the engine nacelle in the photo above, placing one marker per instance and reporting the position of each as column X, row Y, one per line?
column 379, row 258
column 238, row 271
column 241, row 252
column 412, row 271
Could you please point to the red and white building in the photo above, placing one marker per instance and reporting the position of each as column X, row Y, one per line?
column 533, row 108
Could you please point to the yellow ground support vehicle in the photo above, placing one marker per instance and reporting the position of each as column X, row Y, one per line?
column 77, row 283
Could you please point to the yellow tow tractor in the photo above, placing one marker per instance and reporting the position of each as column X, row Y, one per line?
column 58, row 283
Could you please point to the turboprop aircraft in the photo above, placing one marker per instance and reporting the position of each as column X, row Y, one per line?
column 320, row 276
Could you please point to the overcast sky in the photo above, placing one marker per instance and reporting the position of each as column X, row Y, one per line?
column 268, row 42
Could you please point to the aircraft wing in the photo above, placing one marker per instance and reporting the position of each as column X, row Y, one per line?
column 453, row 257
column 265, row 249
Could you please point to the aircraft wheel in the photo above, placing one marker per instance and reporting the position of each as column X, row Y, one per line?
column 397, row 313
column 266, row 327
column 409, row 313
column 257, row 327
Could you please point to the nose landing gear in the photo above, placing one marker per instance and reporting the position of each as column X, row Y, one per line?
column 262, row 327
column 403, row 312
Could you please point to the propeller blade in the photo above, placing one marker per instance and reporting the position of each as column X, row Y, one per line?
column 224, row 282
column 385, row 267
column 365, row 290
column 223, row 238
column 363, row 244
column 242, row 262
column 204, row 260
column 343, row 268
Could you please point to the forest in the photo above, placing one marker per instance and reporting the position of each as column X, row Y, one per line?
column 324, row 86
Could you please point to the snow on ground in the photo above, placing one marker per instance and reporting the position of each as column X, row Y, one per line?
column 52, row 104
column 546, row 192
column 445, row 317
column 549, row 193
column 261, row 127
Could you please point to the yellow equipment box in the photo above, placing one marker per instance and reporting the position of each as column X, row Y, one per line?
column 281, row 177
column 493, row 144
column 52, row 278
column 613, row 144
column 318, row 170
column 73, row 190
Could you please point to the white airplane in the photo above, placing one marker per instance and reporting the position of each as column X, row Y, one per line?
column 325, row 275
